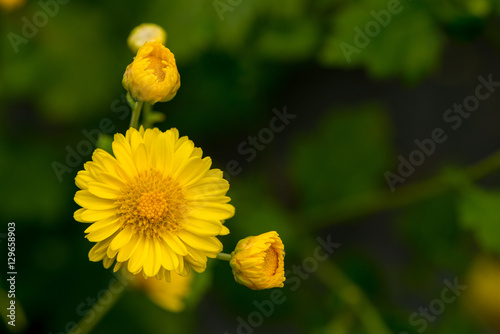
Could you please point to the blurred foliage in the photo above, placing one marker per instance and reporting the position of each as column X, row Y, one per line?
column 478, row 210
column 365, row 157
column 238, row 62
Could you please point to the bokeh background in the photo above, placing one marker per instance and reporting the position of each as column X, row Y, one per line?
column 323, row 176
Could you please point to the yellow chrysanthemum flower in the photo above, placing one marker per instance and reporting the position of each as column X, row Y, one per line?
column 155, row 207
column 146, row 32
column 258, row 262
column 170, row 296
column 9, row 5
column 152, row 76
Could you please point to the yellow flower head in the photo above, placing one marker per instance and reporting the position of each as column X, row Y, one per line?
column 155, row 206
column 9, row 5
column 152, row 76
column 483, row 290
column 258, row 262
column 170, row 296
column 146, row 32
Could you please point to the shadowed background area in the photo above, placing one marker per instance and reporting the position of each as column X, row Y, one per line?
column 315, row 111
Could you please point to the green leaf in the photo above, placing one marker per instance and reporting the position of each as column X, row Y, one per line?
column 479, row 211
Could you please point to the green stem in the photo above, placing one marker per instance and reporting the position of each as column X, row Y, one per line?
column 100, row 309
column 151, row 117
column 353, row 296
column 351, row 208
column 224, row 256
column 484, row 167
column 323, row 216
column 337, row 282
column 136, row 113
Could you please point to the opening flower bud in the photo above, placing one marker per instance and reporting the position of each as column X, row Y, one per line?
column 258, row 262
column 152, row 76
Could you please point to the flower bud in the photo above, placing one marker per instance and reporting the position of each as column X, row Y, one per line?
column 152, row 76
column 258, row 262
column 146, row 32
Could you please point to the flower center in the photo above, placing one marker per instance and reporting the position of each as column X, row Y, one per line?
column 158, row 67
column 152, row 204
column 270, row 262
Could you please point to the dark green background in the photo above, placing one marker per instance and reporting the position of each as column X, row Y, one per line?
column 323, row 175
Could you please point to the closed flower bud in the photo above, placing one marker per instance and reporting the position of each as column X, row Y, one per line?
column 152, row 76
column 258, row 262
column 146, row 32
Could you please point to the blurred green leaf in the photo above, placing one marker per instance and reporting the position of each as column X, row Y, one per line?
column 30, row 190
column 346, row 155
column 395, row 48
column 257, row 212
column 431, row 233
column 479, row 211
column 289, row 41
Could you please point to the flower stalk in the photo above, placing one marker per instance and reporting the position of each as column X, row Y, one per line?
column 136, row 113
column 224, row 256
column 100, row 309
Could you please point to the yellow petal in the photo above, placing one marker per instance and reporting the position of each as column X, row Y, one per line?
column 175, row 243
column 104, row 190
column 123, row 156
column 209, row 210
column 224, row 231
column 141, row 158
column 167, row 257
column 158, row 256
column 182, row 153
column 98, row 251
column 128, row 249
column 207, row 244
column 83, row 178
column 94, row 215
column 192, row 170
column 134, row 138
column 118, row 266
column 197, row 152
column 90, row 201
column 136, row 261
column 152, row 262
column 203, row 227
column 207, row 188
column 110, row 253
column 105, row 159
column 78, row 216
column 104, row 233
column 103, row 224
column 113, row 180
column 183, row 269
column 121, row 238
